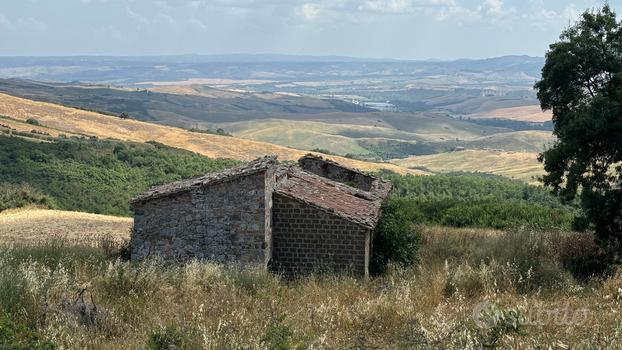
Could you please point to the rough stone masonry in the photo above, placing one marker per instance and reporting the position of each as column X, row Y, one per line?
column 318, row 216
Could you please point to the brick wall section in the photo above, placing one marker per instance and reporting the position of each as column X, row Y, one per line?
column 307, row 239
column 223, row 222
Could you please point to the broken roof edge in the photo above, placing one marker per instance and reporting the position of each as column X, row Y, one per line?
column 178, row 187
column 335, row 163
column 379, row 184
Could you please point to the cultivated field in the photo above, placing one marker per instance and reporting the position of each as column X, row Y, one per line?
column 75, row 121
column 526, row 114
column 517, row 165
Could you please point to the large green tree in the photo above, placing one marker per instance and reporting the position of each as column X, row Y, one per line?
column 582, row 85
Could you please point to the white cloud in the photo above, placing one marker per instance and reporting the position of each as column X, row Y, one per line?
column 387, row 6
column 492, row 7
column 309, row 11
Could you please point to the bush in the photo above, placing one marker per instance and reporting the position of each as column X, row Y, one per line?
column 33, row 121
column 505, row 215
column 279, row 335
column 484, row 201
column 395, row 239
column 174, row 338
column 21, row 195
column 16, row 336
column 494, row 323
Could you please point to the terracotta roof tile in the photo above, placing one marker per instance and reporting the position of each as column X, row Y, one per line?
column 354, row 205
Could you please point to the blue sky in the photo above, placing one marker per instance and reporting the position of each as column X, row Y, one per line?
column 410, row 29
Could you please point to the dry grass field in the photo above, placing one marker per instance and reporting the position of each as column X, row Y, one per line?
column 75, row 121
column 526, row 114
column 518, row 165
column 79, row 298
column 35, row 226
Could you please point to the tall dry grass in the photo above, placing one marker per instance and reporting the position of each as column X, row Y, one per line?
column 472, row 290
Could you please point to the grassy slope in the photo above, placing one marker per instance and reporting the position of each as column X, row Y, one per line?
column 518, row 141
column 519, row 165
column 76, row 121
column 343, row 138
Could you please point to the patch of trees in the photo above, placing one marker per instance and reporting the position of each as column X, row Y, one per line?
column 460, row 200
column 92, row 175
column 218, row 131
column 516, row 125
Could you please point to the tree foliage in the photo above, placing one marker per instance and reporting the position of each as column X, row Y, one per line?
column 486, row 201
column 582, row 85
column 97, row 176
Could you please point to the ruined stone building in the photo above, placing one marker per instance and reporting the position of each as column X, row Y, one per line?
column 292, row 219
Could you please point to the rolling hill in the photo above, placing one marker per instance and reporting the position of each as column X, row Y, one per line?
column 517, row 165
column 56, row 119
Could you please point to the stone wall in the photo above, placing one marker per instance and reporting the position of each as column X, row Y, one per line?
column 223, row 222
column 337, row 173
column 307, row 239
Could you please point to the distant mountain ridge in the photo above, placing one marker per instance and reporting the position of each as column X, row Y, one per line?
column 133, row 69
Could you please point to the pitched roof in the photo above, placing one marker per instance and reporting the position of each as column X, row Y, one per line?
column 173, row 188
column 354, row 205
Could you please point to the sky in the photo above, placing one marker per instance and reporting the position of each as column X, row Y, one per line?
column 402, row 29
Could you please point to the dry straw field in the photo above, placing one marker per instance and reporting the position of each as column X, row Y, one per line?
column 35, row 226
column 526, row 114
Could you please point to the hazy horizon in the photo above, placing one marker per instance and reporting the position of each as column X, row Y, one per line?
column 374, row 29
column 267, row 55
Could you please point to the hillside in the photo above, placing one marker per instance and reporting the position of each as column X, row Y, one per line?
column 517, row 165
column 57, row 118
column 177, row 109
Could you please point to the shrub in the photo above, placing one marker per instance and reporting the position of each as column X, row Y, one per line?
column 485, row 201
column 505, row 215
column 278, row 335
column 21, row 195
column 396, row 240
column 174, row 338
column 494, row 323
column 17, row 336
column 33, row 121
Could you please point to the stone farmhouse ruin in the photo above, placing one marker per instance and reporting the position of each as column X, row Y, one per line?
column 318, row 215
